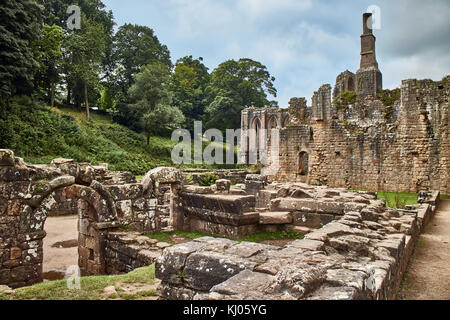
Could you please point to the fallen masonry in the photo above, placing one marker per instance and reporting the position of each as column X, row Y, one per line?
column 361, row 254
column 354, row 247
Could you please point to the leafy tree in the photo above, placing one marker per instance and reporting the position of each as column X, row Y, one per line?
column 19, row 31
column 93, row 10
column 86, row 48
column 189, row 80
column 235, row 85
column 152, row 100
column 134, row 47
column 107, row 99
column 50, row 58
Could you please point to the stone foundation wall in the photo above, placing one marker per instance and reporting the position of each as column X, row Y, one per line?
column 363, row 255
column 104, row 201
column 126, row 251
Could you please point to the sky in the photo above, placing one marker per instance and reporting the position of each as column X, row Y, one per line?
column 303, row 43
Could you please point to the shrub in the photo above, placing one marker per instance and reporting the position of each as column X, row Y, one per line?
column 344, row 99
column 208, row 179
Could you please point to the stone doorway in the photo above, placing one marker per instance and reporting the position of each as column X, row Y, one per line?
column 60, row 247
column 303, row 163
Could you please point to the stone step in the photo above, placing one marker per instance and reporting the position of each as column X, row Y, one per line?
column 167, row 229
column 275, row 218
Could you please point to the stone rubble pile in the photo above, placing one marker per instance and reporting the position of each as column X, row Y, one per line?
column 361, row 253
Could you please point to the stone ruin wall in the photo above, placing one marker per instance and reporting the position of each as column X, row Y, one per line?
column 413, row 156
column 368, row 146
column 236, row 176
column 354, row 248
column 105, row 202
column 402, row 147
column 361, row 254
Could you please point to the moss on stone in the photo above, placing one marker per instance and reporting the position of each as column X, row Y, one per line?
column 41, row 187
column 344, row 100
column 388, row 97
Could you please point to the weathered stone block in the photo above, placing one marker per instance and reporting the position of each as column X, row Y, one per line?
column 275, row 218
column 6, row 158
column 231, row 231
column 223, row 185
column 15, row 207
column 307, row 244
column 205, row 270
column 169, row 266
column 125, row 210
column 15, row 253
column 334, row 293
column 330, row 230
column 221, row 203
column 311, row 220
column 125, row 191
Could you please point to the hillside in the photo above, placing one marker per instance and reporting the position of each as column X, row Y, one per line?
column 39, row 134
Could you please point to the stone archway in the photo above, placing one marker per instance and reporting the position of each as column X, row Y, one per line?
column 94, row 218
column 255, row 143
column 285, row 121
column 272, row 124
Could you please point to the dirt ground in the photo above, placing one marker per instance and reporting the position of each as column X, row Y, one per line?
column 60, row 246
column 428, row 275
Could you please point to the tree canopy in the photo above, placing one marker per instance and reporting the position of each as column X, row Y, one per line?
column 128, row 73
column 152, row 100
column 135, row 46
column 235, row 85
column 20, row 26
column 189, row 81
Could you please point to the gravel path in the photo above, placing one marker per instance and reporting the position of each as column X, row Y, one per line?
column 428, row 275
column 60, row 246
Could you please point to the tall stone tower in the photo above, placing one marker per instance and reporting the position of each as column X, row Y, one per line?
column 369, row 80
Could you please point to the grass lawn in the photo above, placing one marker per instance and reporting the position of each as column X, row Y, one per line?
column 445, row 196
column 91, row 287
column 398, row 199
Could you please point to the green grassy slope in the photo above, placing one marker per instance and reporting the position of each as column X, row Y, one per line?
column 91, row 288
column 39, row 134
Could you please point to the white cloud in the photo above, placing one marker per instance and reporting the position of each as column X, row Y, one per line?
column 255, row 9
column 401, row 68
column 304, row 44
column 196, row 18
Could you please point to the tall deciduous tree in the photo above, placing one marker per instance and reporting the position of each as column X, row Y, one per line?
column 134, row 47
column 235, row 85
column 189, row 80
column 19, row 31
column 153, row 100
column 50, row 58
column 86, row 49
column 94, row 10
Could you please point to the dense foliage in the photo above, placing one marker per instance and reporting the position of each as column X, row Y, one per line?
column 235, row 85
column 127, row 73
column 39, row 134
column 344, row 100
column 19, row 29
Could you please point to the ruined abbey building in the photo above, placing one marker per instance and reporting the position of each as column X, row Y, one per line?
column 353, row 246
column 358, row 135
